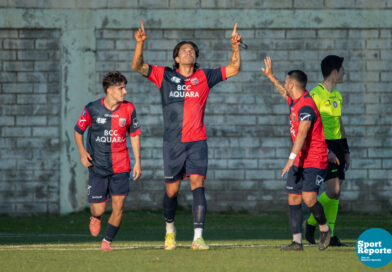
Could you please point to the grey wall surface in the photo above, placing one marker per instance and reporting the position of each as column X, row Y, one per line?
column 52, row 61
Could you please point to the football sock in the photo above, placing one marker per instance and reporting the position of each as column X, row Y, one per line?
column 199, row 207
column 111, row 232
column 169, row 208
column 198, row 233
column 297, row 238
column 295, row 218
column 318, row 212
column 331, row 213
column 170, row 227
column 324, row 200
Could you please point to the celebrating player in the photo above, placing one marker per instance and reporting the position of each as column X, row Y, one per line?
column 307, row 164
column 184, row 90
column 329, row 102
column 106, row 155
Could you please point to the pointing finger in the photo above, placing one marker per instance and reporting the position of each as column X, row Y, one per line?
column 235, row 29
column 142, row 23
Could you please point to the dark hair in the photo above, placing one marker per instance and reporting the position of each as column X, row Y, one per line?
column 300, row 77
column 330, row 63
column 177, row 49
column 113, row 78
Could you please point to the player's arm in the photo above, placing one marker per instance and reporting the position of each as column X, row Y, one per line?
column 235, row 62
column 270, row 75
column 137, row 168
column 85, row 157
column 299, row 141
column 345, row 144
column 138, row 63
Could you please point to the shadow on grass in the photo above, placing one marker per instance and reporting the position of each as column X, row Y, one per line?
column 149, row 226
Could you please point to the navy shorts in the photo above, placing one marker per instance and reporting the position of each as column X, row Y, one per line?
column 304, row 179
column 100, row 189
column 334, row 170
column 180, row 160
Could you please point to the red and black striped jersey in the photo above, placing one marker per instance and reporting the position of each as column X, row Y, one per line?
column 106, row 138
column 184, row 100
column 314, row 152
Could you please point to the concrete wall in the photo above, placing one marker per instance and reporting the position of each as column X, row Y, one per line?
column 52, row 61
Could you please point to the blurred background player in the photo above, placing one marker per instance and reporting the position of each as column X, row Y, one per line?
column 106, row 155
column 329, row 103
column 307, row 165
column 184, row 90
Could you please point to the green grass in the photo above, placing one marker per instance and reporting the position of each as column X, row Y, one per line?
column 239, row 242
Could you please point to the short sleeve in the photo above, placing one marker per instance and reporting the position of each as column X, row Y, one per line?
column 134, row 127
column 155, row 74
column 83, row 122
column 215, row 76
column 306, row 113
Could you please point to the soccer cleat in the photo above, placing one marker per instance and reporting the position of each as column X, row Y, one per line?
column 105, row 246
column 95, row 226
column 325, row 238
column 199, row 244
column 335, row 241
column 170, row 241
column 293, row 246
column 309, row 233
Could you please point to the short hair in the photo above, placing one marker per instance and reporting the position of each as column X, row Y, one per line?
column 112, row 79
column 330, row 63
column 300, row 77
column 177, row 49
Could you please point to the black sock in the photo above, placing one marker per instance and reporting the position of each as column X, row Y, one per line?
column 199, row 207
column 318, row 213
column 169, row 208
column 111, row 232
column 295, row 217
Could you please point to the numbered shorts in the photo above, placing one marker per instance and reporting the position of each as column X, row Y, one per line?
column 334, row 170
column 180, row 160
column 304, row 179
column 100, row 189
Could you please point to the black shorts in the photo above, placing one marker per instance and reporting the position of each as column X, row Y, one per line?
column 304, row 179
column 334, row 170
column 100, row 189
column 181, row 160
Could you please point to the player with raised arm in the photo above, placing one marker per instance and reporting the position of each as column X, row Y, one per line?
column 106, row 155
column 184, row 91
column 307, row 164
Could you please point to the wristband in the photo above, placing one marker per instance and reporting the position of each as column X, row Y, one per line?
column 292, row 156
column 346, row 149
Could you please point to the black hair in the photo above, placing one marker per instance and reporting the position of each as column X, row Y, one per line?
column 330, row 63
column 177, row 49
column 113, row 78
column 300, row 77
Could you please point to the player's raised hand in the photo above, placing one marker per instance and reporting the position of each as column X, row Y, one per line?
column 140, row 34
column 235, row 37
column 268, row 67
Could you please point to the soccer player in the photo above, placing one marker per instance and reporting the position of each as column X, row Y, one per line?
column 184, row 90
column 106, row 154
column 329, row 103
column 307, row 164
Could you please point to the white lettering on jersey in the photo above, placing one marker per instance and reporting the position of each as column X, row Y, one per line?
column 177, row 94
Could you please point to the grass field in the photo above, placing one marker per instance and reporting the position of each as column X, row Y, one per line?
column 238, row 241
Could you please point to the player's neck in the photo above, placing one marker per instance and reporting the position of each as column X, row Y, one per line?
column 110, row 104
column 297, row 93
column 329, row 84
column 186, row 70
